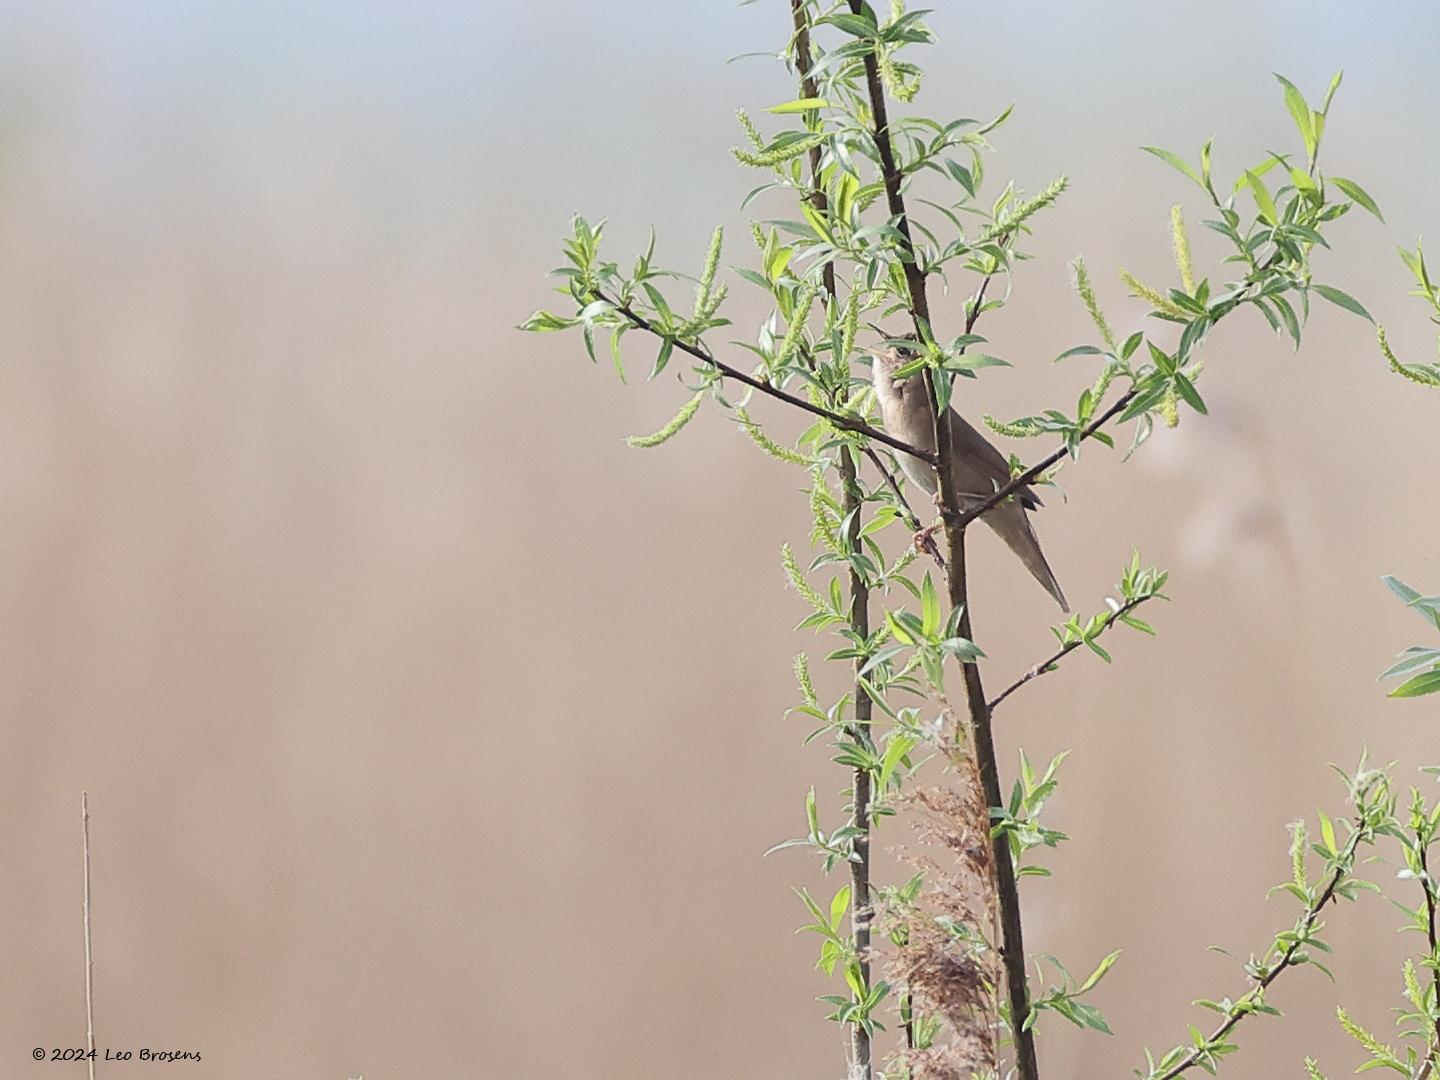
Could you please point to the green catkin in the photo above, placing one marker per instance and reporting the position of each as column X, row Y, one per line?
column 907, row 556
column 769, row 445
column 802, row 679
column 670, row 430
column 797, row 579
column 757, row 234
column 707, row 275
column 1417, row 373
column 825, row 530
column 1299, row 841
column 1087, row 294
column 1378, row 1050
column 895, row 83
column 1024, row 428
column 803, row 302
column 769, row 159
column 751, row 131
column 849, row 324
column 1142, row 291
column 1182, row 249
column 1412, row 986
column 1106, row 377
column 1312, row 1070
column 1170, row 408
column 1026, row 210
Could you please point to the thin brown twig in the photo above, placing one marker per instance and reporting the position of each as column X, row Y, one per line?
column 846, row 423
column 1012, row 946
column 1430, row 930
column 1048, row 665
column 89, row 961
column 1026, row 478
column 1287, row 960
column 861, row 911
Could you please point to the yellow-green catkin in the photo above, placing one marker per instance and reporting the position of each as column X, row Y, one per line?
column 707, row 275
column 768, row 159
column 1170, row 408
column 1378, row 1050
column 1312, row 1070
column 802, row 679
column 1299, row 841
column 803, row 302
column 769, row 445
column 1087, row 294
column 1104, row 379
column 826, row 528
column 1416, row 373
column 670, row 430
column 849, row 324
column 1412, row 986
column 751, row 131
column 1014, row 429
column 907, row 556
column 1181, row 240
column 758, row 235
column 1157, row 300
column 1010, row 222
column 797, row 579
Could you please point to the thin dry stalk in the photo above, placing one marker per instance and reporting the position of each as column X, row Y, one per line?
column 948, row 961
column 89, row 956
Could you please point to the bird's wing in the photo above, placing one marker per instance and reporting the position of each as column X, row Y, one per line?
column 983, row 468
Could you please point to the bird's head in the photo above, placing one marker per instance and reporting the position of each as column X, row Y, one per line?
column 884, row 361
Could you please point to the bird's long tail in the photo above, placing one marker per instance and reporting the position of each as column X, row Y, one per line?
column 1012, row 522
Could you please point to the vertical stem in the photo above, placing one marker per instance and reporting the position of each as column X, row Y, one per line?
column 1429, row 885
column 1012, row 945
column 861, row 1067
column 860, row 910
column 89, row 962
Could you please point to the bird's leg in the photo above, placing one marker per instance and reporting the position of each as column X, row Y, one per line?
column 925, row 538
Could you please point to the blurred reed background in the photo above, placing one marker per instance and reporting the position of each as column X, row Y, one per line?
column 432, row 732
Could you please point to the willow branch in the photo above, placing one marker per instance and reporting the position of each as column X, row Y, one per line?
column 861, row 913
column 1044, row 465
column 1047, row 666
column 1286, row 961
column 1430, row 931
column 846, row 423
column 1012, row 945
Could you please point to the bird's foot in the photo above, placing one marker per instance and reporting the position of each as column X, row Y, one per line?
column 925, row 543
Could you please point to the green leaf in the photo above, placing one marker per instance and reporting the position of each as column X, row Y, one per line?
column 544, row 322
column 1175, row 161
column 1300, row 112
column 1327, row 831
column 799, row 105
column 1344, row 300
column 1080, row 350
column 1419, row 686
column 1099, row 973
column 856, row 25
column 1263, row 200
column 1358, row 194
column 839, row 905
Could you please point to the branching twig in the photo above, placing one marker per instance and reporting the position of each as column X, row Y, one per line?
column 1287, row 959
column 1047, row 666
column 1042, row 466
column 861, row 912
column 1430, row 930
column 847, row 423
column 1012, row 946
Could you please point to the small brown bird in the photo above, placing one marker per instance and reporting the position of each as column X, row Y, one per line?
column 979, row 468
